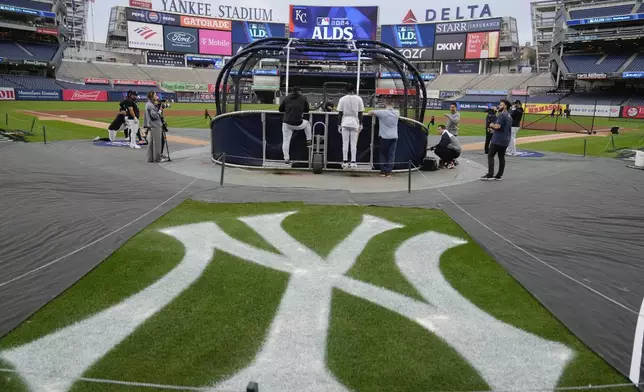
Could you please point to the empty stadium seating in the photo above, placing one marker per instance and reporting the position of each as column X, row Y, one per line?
column 24, row 51
column 588, row 63
column 32, row 82
column 34, row 5
column 451, row 82
column 591, row 99
column 637, row 64
column 641, row 9
column 623, row 9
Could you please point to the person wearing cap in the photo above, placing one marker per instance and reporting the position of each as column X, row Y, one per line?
column 132, row 117
column 350, row 112
column 293, row 107
column 517, row 115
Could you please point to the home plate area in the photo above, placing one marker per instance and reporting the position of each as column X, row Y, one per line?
column 297, row 297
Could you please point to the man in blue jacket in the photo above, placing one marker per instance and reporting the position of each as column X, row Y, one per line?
column 502, row 132
column 448, row 149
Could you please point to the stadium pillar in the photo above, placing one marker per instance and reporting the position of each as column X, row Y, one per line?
column 480, row 66
column 288, row 62
column 358, row 77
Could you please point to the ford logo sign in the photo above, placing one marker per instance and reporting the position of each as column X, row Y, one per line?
column 178, row 37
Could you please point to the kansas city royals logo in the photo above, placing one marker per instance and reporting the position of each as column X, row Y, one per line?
column 292, row 358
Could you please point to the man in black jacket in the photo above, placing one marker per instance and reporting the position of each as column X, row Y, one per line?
column 131, row 117
column 517, row 115
column 489, row 119
column 293, row 107
column 448, row 149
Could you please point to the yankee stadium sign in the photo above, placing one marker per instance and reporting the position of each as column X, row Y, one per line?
column 222, row 11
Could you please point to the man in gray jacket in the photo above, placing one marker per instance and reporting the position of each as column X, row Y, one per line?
column 153, row 122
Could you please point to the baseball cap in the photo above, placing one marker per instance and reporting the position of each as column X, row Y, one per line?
column 517, row 102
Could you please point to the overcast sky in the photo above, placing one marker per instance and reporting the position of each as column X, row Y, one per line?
column 391, row 12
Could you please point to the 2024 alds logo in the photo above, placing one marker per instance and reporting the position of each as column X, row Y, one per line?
column 293, row 356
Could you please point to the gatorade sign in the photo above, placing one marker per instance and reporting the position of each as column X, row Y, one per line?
column 7, row 94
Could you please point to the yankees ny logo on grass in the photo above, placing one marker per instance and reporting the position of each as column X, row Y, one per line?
column 293, row 355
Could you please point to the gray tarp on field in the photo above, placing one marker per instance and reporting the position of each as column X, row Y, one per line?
column 584, row 218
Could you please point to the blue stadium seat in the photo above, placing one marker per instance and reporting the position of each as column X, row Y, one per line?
column 34, row 5
column 641, row 9
column 587, row 63
column 41, row 52
column 601, row 11
column 31, row 82
column 637, row 65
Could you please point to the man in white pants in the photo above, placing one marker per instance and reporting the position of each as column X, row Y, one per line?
column 517, row 115
column 293, row 107
column 132, row 117
column 350, row 109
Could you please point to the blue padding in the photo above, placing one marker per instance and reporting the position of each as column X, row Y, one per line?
column 240, row 137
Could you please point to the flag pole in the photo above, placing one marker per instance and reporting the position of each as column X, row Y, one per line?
column 93, row 28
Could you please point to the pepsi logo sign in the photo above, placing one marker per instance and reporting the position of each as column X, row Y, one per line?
column 153, row 16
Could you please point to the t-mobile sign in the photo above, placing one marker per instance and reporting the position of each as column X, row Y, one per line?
column 215, row 42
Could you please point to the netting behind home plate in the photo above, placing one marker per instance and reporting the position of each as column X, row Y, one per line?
column 357, row 62
column 549, row 109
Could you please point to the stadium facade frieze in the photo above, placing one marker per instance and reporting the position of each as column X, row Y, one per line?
column 219, row 11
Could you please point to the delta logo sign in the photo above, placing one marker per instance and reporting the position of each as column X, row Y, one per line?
column 473, row 11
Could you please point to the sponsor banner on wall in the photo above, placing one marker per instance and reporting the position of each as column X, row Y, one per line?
column 145, row 16
column 165, row 59
column 635, row 75
column 450, row 47
column 518, row 92
column 633, row 111
column 262, row 82
column 482, row 45
column 116, row 96
column 449, row 93
column 37, row 63
column 144, row 36
column 206, row 23
column 196, row 98
column 97, row 81
column 45, row 30
column 605, row 19
column 127, row 82
column 27, row 11
column 215, row 42
column 23, row 94
column 596, row 110
column 414, row 41
column 471, row 26
column 333, row 23
column 543, row 108
column 486, row 92
column 395, row 91
column 180, row 39
column 435, row 104
column 85, row 95
column 592, row 76
column 466, row 67
column 246, row 32
column 141, row 4
column 472, row 105
column 7, row 94
column 433, row 94
column 180, row 86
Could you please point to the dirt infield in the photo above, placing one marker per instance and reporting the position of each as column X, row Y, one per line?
column 108, row 113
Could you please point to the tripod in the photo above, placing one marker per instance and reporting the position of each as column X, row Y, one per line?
column 164, row 141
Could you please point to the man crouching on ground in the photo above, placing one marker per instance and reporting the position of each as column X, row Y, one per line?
column 448, row 149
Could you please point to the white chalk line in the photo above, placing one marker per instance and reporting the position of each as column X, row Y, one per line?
column 209, row 389
column 98, row 240
column 638, row 342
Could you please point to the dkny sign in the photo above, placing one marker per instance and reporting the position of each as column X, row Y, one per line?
column 450, row 47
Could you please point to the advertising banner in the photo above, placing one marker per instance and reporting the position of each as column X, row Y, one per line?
column 141, row 96
column 633, row 112
column 217, row 62
column 470, row 67
column 7, row 94
column 268, row 72
column 474, row 105
column 518, row 92
column 605, row 19
column 97, row 81
column 471, row 26
column 23, row 94
column 449, row 93
column 395, row 91
column 45, row 30
column 215, row 42
column 166, row 59
column 450, row 47
column 543, row 108
column 180, row 86
column 435, row 104
column 414, row 41
column 144, row 16
column 144, row 36
column 37, row 63
column 636, row 75
column 592, row 76
column 596, row 110
column 245, row 32
column 85, row 95
column 180, row 39
column 261, row 82
column 27, row 11
column 206, row 23
column 141, row 4
column 482, row 45
column 196, row 98
column 433, row 94
column 313, row 22
column 127, row 82
column 486, row 92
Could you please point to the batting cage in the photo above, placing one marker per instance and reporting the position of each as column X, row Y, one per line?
column 549, row 109
column 253, row 138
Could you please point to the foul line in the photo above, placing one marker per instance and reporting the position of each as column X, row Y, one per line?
column 98, row 240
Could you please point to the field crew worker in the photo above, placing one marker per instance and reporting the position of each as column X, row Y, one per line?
column 132, row 116
column 293, row 107
column 350, row 110
column 517, row 115
column 448, row 149
column 388, row 132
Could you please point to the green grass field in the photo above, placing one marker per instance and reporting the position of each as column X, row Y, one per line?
column 60, row 130
column 215, row 327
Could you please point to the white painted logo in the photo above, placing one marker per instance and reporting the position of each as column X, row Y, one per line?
column 450, row 46
column 292, row 357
